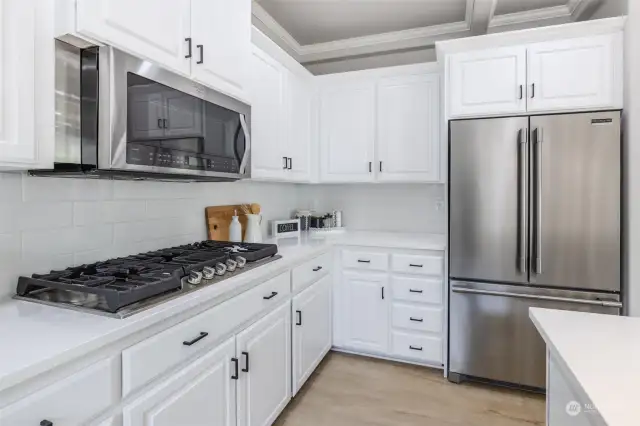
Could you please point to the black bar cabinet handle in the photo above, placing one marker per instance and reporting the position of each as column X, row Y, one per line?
column 235, row 368
column 246, row 362
column 271, row 296
column 415, row 348
column 521, row 91
column 416, row 319
column 46, row 423
column 189, row 54
column 299, row 319
column 285, row 163
column 201, row 49
column 160, row 123
column 381, row 166
column 370, row 165
column 317, row 269
column 415, row 265
column 414, row 291
column 363, row 261
column 164, row 123
column 196, row 340
column 533, row 90
column 290, row 163
column 382, row 292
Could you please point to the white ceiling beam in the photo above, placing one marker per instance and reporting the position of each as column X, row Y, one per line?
column 480, row 15
column 262, row 20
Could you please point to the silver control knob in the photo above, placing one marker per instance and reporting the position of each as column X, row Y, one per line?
column 221, row 268
column 231, row 265
column 241, row 261
column 195, row 278
column 208, row 272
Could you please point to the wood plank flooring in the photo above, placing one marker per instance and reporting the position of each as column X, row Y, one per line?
column 349, row 390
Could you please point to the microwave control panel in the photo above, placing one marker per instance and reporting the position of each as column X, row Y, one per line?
column 146, row 155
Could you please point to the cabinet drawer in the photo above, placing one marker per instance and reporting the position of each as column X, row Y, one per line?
column 421, row 290
column 152, row 357
column 417, row 264
column 419, row 318
column 71, row 401
column 310, row 271
column 365, row 260
column 417, row 346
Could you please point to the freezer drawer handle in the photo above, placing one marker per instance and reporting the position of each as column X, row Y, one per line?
column 415, row 348
column 416, row 319
column 606, row 303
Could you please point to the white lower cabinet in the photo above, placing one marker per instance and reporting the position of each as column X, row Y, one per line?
column 204, row 393
column 264, row 352
column 71, row 401
column 367, row 311
column 312, row 336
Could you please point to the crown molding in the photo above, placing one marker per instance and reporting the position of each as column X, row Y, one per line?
column 479, row 19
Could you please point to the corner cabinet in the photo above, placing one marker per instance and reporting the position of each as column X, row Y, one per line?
column 381, row 125
column 27, row 129
column 207, row 40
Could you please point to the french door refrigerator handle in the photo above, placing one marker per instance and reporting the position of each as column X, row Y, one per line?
column 538, row 165
column 522, row 255
column 607, row 303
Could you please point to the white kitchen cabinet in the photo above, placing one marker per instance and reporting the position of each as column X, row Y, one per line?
column 73, row 400
column 221, row 34
column 204, row 393
column 26, row 84
column 490, row 81
column 347, row 131
column 264, row 350
column 159, row 33
column 408, row 123
column 366, row 311
column 311, row 312
column 268, row 137
column 299, row 119
column 581, row 73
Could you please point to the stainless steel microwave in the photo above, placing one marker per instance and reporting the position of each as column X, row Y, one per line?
column 123, row 117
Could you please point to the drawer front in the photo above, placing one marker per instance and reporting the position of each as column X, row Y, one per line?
column 152, row 357
column 418, row 318
column 421, row 290
column 367, row 261
column 310, row 271
column 418, row 264
column 71, row 401
column 417, row 347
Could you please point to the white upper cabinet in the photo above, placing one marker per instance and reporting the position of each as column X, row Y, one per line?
column 575, row 74
column 300, row 110
column 26, row 84
column 347, row 131
column 204, row 393
column 146, row 28
column 268, row 133
column 221, row 37
column 490, row 81
column 408, row 128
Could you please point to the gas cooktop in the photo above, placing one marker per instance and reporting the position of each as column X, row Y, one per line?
column 124, row 286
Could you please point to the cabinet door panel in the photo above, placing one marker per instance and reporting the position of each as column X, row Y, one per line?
column 267, row 91
column 144, row 28
column 408, row 128
column 367, row 316
column 312, row 330
column 347, row 131
column 299, row 122
column 575, row 74
column 223, row 28
column 487, row 82
column 265, row 389
column 202, row 394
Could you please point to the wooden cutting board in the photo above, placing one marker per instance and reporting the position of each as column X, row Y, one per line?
column 219, row 218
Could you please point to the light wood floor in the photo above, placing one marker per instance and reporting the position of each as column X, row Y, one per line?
column 353, row 391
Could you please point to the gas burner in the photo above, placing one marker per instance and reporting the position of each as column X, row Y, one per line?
column 136, row 282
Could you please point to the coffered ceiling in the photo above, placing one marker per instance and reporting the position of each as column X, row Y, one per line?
column 317, row 30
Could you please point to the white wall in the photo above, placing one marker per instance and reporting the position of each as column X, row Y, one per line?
column 48, row 223
column 610, row 8
column 383, row 207
column 631, row 159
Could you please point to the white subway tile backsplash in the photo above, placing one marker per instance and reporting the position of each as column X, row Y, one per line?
column 44, row 215
column 96, row 212
column 64, row 189
column 51, row 242
column 92, row 237
column 11, row 187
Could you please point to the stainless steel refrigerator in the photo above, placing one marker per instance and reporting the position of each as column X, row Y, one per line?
column 534, row 219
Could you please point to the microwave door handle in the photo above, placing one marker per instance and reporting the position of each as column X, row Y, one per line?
column 247, row 138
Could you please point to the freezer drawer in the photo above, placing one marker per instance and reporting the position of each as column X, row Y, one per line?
column 492, row 337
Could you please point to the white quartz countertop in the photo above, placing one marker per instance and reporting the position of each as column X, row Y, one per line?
column 36, row 338
column 601, row 353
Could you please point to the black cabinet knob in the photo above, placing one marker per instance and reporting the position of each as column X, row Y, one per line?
column 46, row 423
